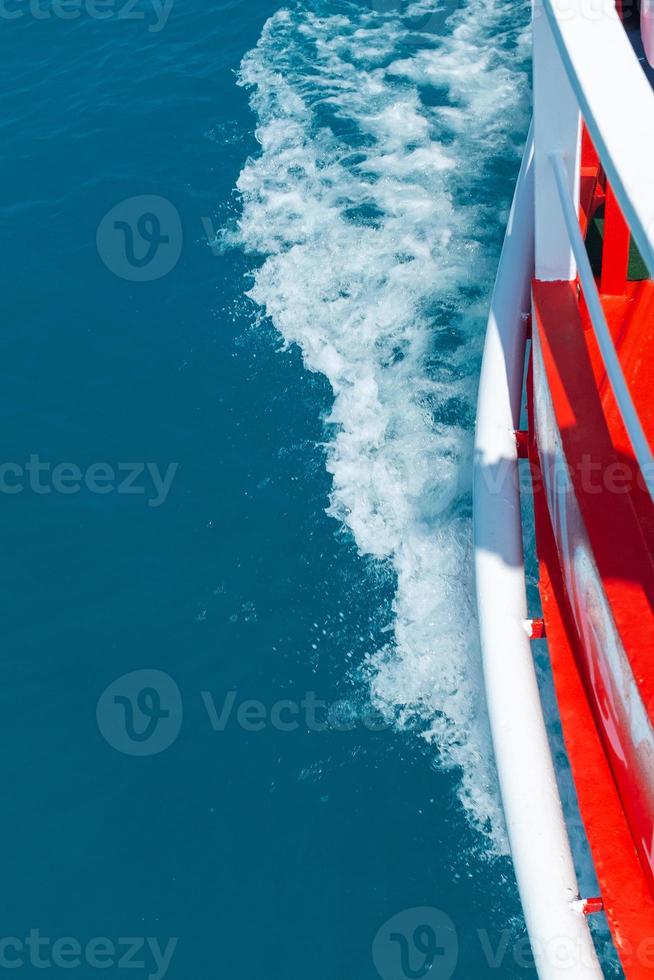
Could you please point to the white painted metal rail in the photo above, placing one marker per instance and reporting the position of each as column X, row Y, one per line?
column 615, row 98
column 600, row 327
column 558, row 930
column 583, row 64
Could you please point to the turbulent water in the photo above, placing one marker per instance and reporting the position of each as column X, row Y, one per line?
column 366, row 230
column 389, row 142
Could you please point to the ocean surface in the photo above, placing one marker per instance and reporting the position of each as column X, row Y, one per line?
column 248, row 251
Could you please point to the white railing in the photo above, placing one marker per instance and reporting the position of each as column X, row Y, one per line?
column 534, row 817
column 584, row 64
column 601, row 329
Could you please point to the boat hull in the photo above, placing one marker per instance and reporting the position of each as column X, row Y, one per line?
column 606, row 726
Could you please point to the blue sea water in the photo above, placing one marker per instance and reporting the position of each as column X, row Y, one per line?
column 248, row 251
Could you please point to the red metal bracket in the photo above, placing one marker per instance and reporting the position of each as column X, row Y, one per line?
column 522, row 442
column 617, row 238
column 592, row 905
column 538, row 631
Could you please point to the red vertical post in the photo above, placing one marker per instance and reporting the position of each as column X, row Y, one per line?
column 589, row 157
column 615, row 254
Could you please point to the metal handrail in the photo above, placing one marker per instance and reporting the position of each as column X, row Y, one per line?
column 617, row 103
column 601, row 330
column 536, row 826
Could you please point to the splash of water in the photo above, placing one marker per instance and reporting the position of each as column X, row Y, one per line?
column 389, row 141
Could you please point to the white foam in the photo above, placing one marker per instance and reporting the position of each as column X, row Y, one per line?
column 369, row 205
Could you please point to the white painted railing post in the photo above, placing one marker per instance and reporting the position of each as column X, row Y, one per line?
column 534, row 818
column 557, row 129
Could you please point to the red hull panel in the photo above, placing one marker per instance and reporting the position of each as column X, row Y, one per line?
column 625, row 893
column 598, row 586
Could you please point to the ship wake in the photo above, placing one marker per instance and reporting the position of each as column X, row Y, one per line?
column 389, row 142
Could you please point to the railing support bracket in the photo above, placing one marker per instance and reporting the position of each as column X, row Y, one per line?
column 536, row 629
column 522, row 443
column 593, row 905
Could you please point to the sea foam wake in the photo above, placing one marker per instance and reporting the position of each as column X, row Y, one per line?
column 390, row 138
